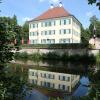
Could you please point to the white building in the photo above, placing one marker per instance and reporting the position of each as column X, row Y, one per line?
column 55, row 26
column 54, row 80
column 95, row 42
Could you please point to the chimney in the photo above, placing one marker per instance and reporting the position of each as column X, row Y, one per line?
column 60, row 4
column 52, row 6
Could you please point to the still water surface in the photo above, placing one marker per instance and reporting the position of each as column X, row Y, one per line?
column 53, row 79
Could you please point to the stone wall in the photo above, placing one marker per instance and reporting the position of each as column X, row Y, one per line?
column 59, row 51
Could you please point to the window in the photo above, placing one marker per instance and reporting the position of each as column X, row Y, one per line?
column 64, row 40
column 43, row 41
column 34, row 81
column 52, row 32
column 43, row 75
column 64, row 31
column 62, row 87
column 48, row 32
column 32, row 73
column 34, row 41
column 68, row 21
column 52, row 41
column 64, row 21
column 46, row 24
column 42, row 24
column 76, row 33
column 49, row 24
column 45, row 32
column 50, row 76
column 53, row 23
column 62, row 78
column 33, row 25
column 33, row 33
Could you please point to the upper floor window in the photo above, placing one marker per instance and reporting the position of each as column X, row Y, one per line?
column 64, row 78
column 33, row 33
column 35, row 25
column 34, row 74
column 48, row 23
column 64, row 21
column 76, row 33
column 65, row 31
column 48, row 32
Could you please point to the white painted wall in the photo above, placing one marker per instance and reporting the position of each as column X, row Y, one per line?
column 74, row 25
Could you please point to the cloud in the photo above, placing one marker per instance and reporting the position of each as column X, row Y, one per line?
column 26, row 19
column 89, row 14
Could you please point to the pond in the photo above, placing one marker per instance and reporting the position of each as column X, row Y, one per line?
column 54, row 80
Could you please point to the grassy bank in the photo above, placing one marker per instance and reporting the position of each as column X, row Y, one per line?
column 56, row 46
column 55, row 56
column 98, row 58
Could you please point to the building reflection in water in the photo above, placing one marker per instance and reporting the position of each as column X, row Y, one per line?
column 53, row 80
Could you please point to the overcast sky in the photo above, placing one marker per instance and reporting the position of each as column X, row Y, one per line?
column 29, row 9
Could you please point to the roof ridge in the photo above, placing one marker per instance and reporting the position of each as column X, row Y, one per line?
column 55, row 12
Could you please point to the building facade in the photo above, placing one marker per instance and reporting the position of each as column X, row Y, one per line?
column 55, row 26
column 54, row 80
column 95, row 42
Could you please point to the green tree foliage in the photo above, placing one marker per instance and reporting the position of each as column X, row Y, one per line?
column 85, row 35
column 94, row 22
column 18, row 30
column 97, row 2
column 14, row 20
column 10, row 84
column 25, row 34
column 88, row 33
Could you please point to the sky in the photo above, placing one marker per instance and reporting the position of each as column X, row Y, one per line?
column 29, row 9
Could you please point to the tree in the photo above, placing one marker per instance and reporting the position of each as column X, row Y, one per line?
column 97, row 2
column 25, row 34
column 5, row 54
column 94, row 22
column 14, row 20
column 10, row 84
column 85, row 35
column 18, row 30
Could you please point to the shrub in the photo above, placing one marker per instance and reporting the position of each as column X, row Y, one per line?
column 22, row 55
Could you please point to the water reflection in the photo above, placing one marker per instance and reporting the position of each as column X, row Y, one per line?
column 62, row 80
column 54, row 80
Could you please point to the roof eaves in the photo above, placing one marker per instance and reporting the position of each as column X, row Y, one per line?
column 48, row 18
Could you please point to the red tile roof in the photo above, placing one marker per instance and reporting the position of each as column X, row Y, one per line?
column 55, row 12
